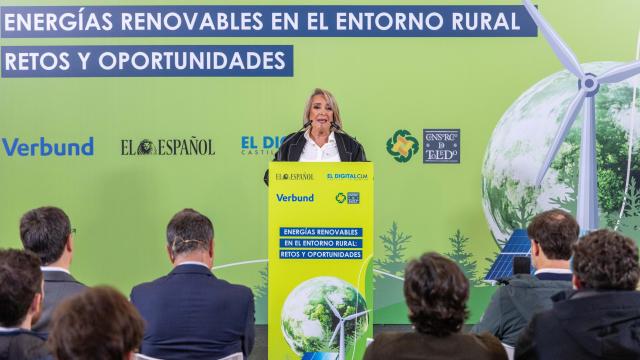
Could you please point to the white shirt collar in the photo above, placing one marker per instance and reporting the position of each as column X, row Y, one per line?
column 54, row 268
column 193, row 263
column 553, row 271
column 332, row 137
column 6, row 330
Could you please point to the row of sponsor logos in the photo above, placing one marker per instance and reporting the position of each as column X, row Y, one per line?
column 43, row 147
column 439, row 146
column 351, row 198
column 302, row 176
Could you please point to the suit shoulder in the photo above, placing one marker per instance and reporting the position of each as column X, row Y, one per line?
column 236, row 288
column 148, row 284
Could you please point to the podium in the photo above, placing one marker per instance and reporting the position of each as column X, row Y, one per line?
column 320, row 259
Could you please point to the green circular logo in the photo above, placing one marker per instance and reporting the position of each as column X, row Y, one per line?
column 402, row 146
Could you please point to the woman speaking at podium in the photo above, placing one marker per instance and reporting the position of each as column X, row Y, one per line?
column 321, row 137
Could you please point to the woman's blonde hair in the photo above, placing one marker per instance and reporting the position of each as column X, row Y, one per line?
column 330, row 99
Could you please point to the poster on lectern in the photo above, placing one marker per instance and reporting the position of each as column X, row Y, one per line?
column 320, row 252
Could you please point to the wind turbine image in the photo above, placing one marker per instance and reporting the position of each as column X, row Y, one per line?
column 340, row 327
column 588, row 86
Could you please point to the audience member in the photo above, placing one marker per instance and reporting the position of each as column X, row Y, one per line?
column 600, row 319
column 46, row 231
column 190, row 314
column 20, row 305
column 436, row 292
column 97, row 324
column 551, row 234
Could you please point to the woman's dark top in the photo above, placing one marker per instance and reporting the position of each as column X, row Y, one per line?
column 414, row 345
column 349, row 149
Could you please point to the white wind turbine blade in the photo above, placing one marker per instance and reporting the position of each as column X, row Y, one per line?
column 620, row 73
column 562, row 50
column 335, row 332
column 353, row 316
column 569, row 117
column 333, row 308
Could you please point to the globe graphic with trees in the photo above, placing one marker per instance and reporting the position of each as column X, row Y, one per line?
column 522, row 139
column 308, row 322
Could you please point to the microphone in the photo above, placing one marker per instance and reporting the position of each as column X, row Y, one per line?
column 338, row 128
column 304, row 126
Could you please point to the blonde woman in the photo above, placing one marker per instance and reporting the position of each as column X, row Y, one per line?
column 321, row 139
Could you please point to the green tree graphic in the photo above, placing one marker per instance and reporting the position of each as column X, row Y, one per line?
column 394, row 243
column 463, row 258
column 260, row 291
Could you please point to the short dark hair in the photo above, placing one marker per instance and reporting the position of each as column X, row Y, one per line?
column 189, row 230
column 20, row 281
column 45, row 231
column 555, row 231
column 99, row 323
column 436, row 292
column 606, row 260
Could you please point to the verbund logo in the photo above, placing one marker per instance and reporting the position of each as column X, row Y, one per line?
column 44, row 148
column 295, row 198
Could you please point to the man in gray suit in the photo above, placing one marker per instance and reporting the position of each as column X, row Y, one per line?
column 46, row 231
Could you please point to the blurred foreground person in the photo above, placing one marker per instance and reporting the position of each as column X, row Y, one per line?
column 436, row 292
column 20, row 305
column 98, row 324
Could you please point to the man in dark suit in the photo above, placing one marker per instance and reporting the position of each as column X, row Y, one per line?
column 46, row 231
column 189, row 313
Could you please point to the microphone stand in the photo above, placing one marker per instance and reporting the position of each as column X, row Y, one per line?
column 306, row 125
column 338, row 128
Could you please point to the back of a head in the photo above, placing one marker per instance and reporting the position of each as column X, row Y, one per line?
column 189, row 231
column 20, row 281
column 555, row 231
column 45, row 232
column 97, row 324
column 606, row 260
column 436, row 292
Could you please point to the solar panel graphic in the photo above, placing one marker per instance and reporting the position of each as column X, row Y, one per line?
column 517, row 245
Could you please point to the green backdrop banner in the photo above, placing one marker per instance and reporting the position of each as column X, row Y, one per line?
column 457, row 120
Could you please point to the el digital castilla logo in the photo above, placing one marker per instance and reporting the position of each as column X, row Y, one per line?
column 347, row 176
column 295, row 198
column 192, row 146
column 45, row 148
column 294, row 176
column 402, row 146
column 260, row 145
